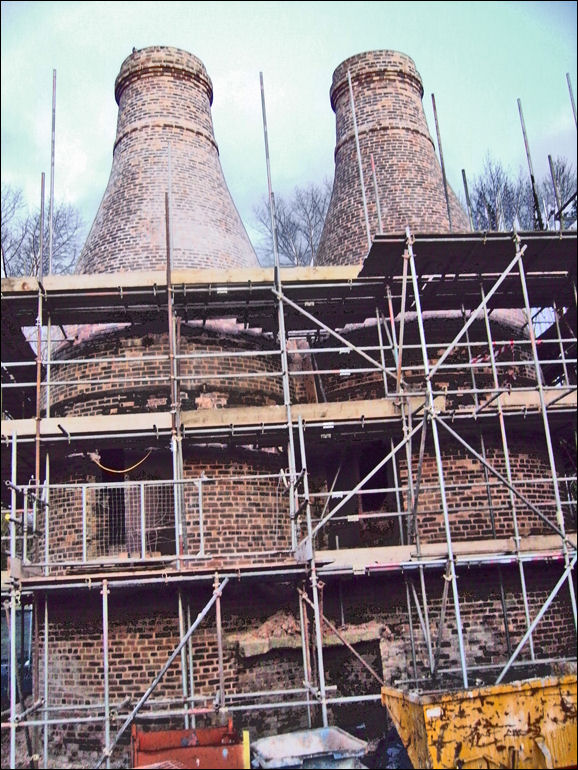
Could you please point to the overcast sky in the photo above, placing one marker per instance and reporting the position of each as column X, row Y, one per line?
column 477, row 57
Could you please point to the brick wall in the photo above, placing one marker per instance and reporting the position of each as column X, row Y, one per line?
column 512, row 352
column 164, row 97
column 392, row 127
column 467, row 489
column 245, row 508
column 143, row 631
column 139, row 379
column 248, row 515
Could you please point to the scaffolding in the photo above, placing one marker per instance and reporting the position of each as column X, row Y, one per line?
column 431, row 390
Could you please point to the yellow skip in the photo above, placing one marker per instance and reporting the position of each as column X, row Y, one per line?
column 525, row 724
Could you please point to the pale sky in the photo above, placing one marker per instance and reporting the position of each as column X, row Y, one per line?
column 477, row 57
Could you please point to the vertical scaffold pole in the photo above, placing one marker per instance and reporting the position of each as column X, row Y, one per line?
column 183, row 659
column 190, row 662
column 105, row 655
column 537, row 214
column 468, row 201
column 359, row 163
column 561, row 344
column 546, row 423
column 52, row 143
column 303, row 620
column 219, row 641
column 45, row 665
column 506, row 451
column 572, row 102
column 431, row 409
column 282, row 331
column 46, row 505
column 556, row 193
column 445, row 181
column 13, row 591
column 314, row 585
column 381, row 350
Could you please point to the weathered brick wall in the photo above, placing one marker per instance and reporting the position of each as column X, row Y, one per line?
column 245, row 508
column 481, row 614
column 139, row 378
column 479, row 506
column 512, row 353
column 242, row 514
column 392, row 127
column 140, row 642
column 467, row 490
column 164, row 97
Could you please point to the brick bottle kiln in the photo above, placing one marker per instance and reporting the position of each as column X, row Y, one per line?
column 223, row 447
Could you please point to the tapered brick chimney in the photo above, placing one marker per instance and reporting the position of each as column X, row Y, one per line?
column 164, row 97
column 388, row 91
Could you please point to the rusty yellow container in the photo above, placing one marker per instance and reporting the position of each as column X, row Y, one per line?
column 525, row 724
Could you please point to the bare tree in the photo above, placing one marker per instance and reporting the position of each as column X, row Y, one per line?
column 299, row 223
column 21, row 236
column 565, row 175
column 14, row 226
column 502, row 202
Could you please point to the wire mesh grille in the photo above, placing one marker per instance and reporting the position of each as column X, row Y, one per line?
column 133, row 519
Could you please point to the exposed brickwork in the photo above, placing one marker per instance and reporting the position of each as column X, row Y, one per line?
column 248, row 515
column 141, row 371
column 143, row 631
column 392, row 127
column 468, row 493
column 511, row 350
column 245, row 509
column 481, row 613
column 164, row 97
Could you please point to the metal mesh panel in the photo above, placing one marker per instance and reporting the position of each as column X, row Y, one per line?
column 130, row 519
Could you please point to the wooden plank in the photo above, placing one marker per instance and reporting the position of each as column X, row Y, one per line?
column 531, row 399
column 357, row 560
column 104, row 423
column 193, row 276
column 330, row 412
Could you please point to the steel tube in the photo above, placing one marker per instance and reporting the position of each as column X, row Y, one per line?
column 184, row 682
column 537, row 213
column 219, row 642
column 468, row 201
column 566, row 575
column 313, row 576
column 444, row 179
column 52, row 143
column 556, row 193
column 105, row 653
column 191, row 698
column 559, row 514
column 505, row 449
column 359, row 163
column 572, row 102
column 305, row 655
column 44, row 722
column 410, row 621
column 438, row 459
column 12, row 632
column 381, row 351
column 162, row 672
